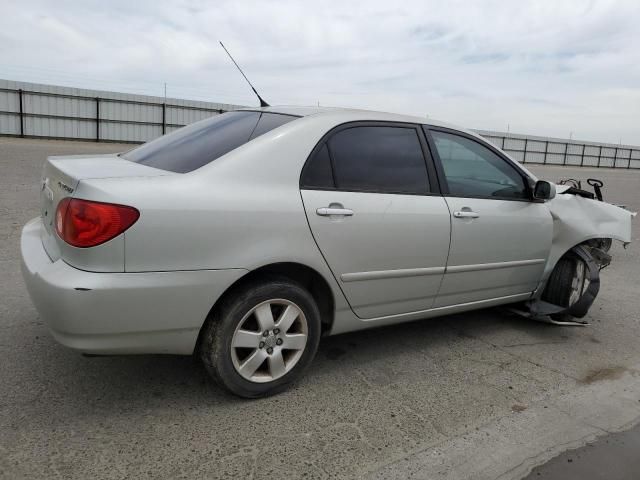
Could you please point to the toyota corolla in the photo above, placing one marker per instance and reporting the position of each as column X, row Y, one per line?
column 247, row 236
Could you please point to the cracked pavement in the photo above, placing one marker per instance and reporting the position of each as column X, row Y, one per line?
column 485, row 394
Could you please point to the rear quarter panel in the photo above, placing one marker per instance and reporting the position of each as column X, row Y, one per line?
column 242, row 211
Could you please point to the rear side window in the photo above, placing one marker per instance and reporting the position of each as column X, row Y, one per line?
column 200, row 143
column 372, row 159
column 318, row 173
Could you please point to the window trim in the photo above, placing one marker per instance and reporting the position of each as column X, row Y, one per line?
column 442, row 179
column 295, row 115
column 432, row 177
column 263, row 112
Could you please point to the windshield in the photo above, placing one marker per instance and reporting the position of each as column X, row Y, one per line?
column 200, row 143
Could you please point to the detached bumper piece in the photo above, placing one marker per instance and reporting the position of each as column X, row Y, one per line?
column 539, row 310
column 546, row 317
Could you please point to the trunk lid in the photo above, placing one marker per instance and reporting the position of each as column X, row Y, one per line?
column 60, row 178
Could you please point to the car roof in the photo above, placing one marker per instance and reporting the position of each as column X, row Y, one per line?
column 338, row 115
column 355, row 114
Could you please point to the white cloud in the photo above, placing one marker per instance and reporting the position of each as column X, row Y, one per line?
column 544, row 67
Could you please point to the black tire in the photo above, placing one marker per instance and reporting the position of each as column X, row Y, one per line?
column 215, row 341
column 558, row 289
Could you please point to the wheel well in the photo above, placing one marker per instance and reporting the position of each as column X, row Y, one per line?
column 299, row 273
column 598, row 242
column 309, row 279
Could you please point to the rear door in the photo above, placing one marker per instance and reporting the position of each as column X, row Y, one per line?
column 375, row 212
column 500, row 237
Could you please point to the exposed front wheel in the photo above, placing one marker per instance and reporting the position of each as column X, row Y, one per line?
column 262, row 337
column 567, row 283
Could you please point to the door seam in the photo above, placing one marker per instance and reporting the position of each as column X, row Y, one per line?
column 446, row 265
column 306, row 216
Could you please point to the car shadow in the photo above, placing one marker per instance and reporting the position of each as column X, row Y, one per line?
column 139, row 383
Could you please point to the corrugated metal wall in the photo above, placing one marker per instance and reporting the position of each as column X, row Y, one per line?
column 34, row 110
column 73, row 113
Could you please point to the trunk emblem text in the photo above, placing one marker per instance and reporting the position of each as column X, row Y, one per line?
column 67, row 188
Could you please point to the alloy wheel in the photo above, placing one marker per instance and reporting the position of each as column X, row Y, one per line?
column 269, row 340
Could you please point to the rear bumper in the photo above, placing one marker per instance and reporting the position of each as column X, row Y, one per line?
column 119, row 313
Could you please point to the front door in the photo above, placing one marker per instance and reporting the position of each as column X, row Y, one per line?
column 369, row 198
column 500, row 238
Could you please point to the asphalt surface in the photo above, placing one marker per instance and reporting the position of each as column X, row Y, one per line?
column 479, row 395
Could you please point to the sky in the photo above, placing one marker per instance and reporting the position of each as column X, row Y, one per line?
column 553, row 68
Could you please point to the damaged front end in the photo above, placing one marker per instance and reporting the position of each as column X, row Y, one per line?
column 584, row 227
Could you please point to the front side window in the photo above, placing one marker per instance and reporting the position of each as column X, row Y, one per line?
column 473, row 170
column 200, row 143
column 371, row 159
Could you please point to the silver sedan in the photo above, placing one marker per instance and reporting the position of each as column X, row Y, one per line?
column 247, row 236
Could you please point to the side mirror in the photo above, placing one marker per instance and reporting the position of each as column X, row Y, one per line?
column 544, row 190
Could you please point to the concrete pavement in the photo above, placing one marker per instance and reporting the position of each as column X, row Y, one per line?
column 480, row 395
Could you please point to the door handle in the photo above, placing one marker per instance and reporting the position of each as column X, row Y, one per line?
column 327, row 211
column 465, row 214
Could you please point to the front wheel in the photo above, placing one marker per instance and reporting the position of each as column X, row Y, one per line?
column 261, row 338
column 566, row 285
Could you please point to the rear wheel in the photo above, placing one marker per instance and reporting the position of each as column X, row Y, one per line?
column 262, row 337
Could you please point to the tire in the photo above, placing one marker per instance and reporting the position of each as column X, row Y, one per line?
column 559, row 287
column 233, row 341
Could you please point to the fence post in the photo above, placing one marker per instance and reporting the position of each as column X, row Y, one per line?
column 546, row 149
column 615, row 156
column 582, row 155
column 21, row 114
column 630, row 152
column 164, row 118
column 599, row 155
column 502, row 143
column 524, row 154
column 97, row 119
column 566, row 148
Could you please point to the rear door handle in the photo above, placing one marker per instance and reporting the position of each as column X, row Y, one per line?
column 465, row 214
column 327, row 211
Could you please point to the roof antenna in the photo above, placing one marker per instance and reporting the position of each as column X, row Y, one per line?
column 262, row 102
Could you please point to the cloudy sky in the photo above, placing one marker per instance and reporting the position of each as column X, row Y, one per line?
column 539, row 67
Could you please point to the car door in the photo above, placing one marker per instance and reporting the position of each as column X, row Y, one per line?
column 500, row 236
column 371, row 199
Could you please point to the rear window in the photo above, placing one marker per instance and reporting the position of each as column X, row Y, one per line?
column 200, row 143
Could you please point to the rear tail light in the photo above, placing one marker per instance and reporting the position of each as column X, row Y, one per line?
column 83, row 223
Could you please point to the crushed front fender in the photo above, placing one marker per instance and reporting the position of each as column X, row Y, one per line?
column 577, row 219
column 577, row 223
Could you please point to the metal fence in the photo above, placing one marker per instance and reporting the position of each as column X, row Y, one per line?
column 43, row 111
column 556, row 151
column 46, row 111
